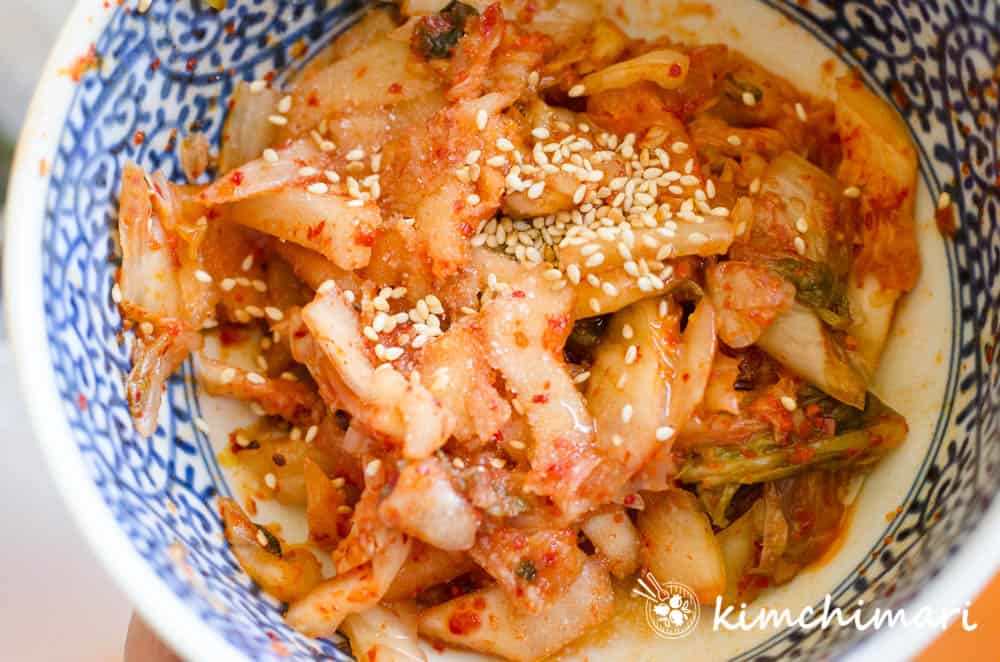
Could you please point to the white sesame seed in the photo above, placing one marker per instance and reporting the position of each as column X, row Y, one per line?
column 582, row 377
column 697, row 238
column 852, row 192
column 734, row 140
column 326, row 146
column 393, row 353
column 577, row 90
column 116, row 293
column 749, row 99
column 472, row 199
column 278, row 120
column 573, row 273
column 541, row 133
column 536, row 190
column 627, row 414
column 497, row 161
column 788, row 403
column 318, row 188
column 609, row 289
column 270, row 155
column 308, row 171
column 755, row 185
column 202, row 276
column 801, row 112
column 595, row 305
column 481, row 119
column 802, row 225
column 274, row 313
column 944, row 200
column 373, row 467
column 627, row 332
column 679, row 147
column 595, row 260
column 228, row 375
column 800, row 245
column 247, row 263
column 262, row 538
column 617, row 440
column 356, row 154
column 254, row 378
column 285, row 104
column 270, row 480
column 505, row 145
column 631, row 354
column 663, row 433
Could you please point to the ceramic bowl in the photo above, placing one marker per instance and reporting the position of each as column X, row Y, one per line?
column 120, row 85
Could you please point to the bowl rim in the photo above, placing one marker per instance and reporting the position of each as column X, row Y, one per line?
column 959, row 581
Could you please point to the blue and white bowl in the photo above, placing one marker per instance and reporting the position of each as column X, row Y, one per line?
column 925, row 524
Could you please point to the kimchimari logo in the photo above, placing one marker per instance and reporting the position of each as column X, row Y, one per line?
column 672, row 609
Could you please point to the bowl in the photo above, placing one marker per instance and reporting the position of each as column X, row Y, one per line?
column 123, row 85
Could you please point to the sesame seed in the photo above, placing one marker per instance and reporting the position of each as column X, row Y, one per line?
column 228, row 375
column 481, row 119
column 497, row 161
column 505, row 145
column 393, row 353
column 755, row 185
column 373, row 467
column 749, row 99
column 355, row 154
column 247, row 263
column 274, row 313
column 631, row 354
column 270, row 155
column 116, row 293
column 573, row 273
column 262, row 538
column 627, row 332
column 278, row 120
column 802, row 225
column 339, row 483
column 664, row 433
column 254, row 378
column 318, row 188
column 944, row 200
column 595, row 260
column 582, row 377
column 800, row 245
column 609, row 289
column 679, row 147
column 326, row 286
column 536, row 190
column 497, row 463
column 285, row 105
column 308, row 171
column 577, row 90
column 326, row 146
column 788, row 403
column 595, row 305
column 472, row 199
column 697, row 238
column 270, row 480
column 852, row 192
column 202, row 276
column 734, row 140
column 801, row 112
column 627, row 414
column 541, row 133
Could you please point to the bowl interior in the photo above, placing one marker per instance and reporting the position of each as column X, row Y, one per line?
column 170, row 71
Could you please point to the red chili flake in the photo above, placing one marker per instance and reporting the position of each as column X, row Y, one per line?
column 466, row 229
column 155, row 64
column 230, row 28
column 313, row 100
column 518, row 294
column 395, row 88
column 945, row 220
column 464, row 622
column 540, row 398
column 82, row 64
column 675, row 70
column 139, row 137
column 801, row 455
column 629, row 500
column 364, row 238
column 191, row 64
column 236, row 178
column 81, row 402
column 269, row 76
column 316, row 230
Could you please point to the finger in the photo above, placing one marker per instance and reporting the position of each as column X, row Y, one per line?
column 141, row 645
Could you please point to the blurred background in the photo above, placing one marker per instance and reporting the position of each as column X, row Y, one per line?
column 58, row 603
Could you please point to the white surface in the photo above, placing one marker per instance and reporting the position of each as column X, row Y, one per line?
column 58, row 604
column 27, row 31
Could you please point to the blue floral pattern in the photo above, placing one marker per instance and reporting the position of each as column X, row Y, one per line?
column 172, row 70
